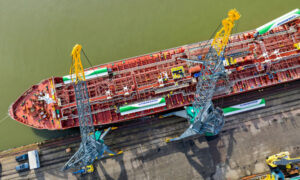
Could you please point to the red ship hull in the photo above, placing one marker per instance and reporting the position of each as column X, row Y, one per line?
column 115, row 89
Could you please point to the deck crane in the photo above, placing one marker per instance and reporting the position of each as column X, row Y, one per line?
column 92, row 144
column 204, row 117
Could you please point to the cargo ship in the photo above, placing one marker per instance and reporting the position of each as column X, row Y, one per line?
column 162, row 81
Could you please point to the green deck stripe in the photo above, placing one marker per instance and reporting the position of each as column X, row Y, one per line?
column 138, row 106
column 278, row 21
column 88, row 74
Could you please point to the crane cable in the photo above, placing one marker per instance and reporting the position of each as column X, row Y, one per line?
column 86, row 57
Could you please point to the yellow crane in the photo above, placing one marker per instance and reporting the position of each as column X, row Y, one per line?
column 204, row 117
column 76, row 66
column 92, row 145
column 222, row 36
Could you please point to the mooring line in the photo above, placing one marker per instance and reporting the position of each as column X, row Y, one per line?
column 3, row 119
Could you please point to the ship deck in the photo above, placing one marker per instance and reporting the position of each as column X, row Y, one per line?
column 251, row 64
column 238, row 151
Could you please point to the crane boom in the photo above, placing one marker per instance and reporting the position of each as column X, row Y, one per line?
column 282, row 158
column 222, row 36
column 76, row 66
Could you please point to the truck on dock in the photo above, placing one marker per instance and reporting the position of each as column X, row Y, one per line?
column 33, row 161
column 22, row 167
column 22, row 157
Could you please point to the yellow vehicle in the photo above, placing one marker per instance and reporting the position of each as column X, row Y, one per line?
column 282, row 166
column 89, row 168
column 84, row 170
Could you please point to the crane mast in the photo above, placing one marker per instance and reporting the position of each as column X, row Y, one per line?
column 92, row 144
column 206, row 119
